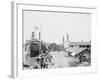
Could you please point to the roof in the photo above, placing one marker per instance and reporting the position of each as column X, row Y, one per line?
column 75, row 49
column 53, row 46
column 80, row 43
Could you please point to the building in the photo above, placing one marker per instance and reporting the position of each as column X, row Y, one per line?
column 67, row 43
column 83, row 54
column 80, row 44
column 72, row 51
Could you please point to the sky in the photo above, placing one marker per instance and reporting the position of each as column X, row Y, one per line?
column 55, row 25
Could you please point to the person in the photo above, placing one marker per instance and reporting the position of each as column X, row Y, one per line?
column 42, row 62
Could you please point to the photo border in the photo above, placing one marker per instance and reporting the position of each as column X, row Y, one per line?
column 16, row 66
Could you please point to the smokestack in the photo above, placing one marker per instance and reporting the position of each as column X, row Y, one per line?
column 32, row 35
column 63, row 41
column 67, row 37
column 39, row 35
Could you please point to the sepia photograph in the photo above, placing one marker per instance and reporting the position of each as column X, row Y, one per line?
column 56, row 39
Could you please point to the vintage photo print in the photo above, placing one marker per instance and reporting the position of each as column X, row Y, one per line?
column 56, row 39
